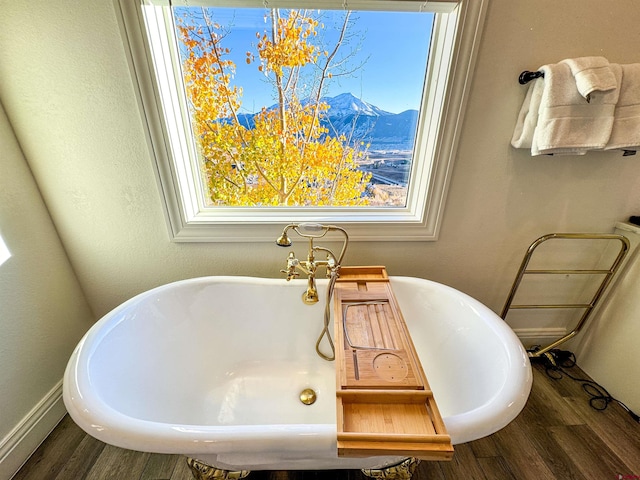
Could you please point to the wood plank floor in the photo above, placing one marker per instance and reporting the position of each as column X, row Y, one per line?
column 557, row 436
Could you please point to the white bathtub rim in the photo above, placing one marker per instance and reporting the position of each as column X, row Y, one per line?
column 492, row 412
column 118, row 429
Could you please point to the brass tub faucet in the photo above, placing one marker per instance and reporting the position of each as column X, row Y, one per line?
column 309, row 267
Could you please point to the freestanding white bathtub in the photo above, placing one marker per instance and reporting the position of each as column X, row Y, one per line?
column 212, row 368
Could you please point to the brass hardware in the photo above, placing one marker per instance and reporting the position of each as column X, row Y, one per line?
column 309, row 267
column 588, row 307
column 308, row 396
column 402, row 471
column 310, row 296
column 284, row 240
column 202, row 471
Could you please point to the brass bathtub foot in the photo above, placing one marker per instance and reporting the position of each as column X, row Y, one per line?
column 402, row 471
column 202, row 471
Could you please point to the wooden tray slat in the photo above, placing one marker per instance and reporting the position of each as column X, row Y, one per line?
column 391, row 437
column 371, row 273
column 384, row 396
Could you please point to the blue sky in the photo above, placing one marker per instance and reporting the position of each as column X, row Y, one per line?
column 390, row 49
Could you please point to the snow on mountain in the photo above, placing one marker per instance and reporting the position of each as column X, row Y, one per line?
column 347, row 104
column 360, row 121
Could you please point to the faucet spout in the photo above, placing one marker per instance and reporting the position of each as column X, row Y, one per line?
column 311, row 295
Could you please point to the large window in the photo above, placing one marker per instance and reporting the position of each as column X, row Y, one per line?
column 270, row 113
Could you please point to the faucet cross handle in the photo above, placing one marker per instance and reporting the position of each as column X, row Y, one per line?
column 292, row 263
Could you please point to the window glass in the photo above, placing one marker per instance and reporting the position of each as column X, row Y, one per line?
column 310, row 108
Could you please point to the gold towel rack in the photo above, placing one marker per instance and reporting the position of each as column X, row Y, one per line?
column 607, row 274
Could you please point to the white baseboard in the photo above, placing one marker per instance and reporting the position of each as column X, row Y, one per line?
column 539, row 336
column 24, row 439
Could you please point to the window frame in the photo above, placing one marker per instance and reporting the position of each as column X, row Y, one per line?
column 438, row 133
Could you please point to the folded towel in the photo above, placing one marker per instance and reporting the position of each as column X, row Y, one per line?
column 556, row 119
column 567, row 124
column 592, row 74
column 528, row 116
column 625, row 133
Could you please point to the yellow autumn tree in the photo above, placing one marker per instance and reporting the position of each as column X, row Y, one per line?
column 284, row 156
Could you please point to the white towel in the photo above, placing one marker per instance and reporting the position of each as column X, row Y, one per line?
column 528, row 116
column 567, row 124
column 625, row 134
column 556, row 119
column 592, row 74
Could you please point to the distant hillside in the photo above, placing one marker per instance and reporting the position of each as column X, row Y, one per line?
column 360, row 121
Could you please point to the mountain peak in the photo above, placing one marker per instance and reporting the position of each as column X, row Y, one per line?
column 360, row 121
column 347, row 104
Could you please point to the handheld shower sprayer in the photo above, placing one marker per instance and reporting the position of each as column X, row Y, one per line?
column 313, row 231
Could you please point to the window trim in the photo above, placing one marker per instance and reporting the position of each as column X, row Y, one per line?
column 186, row 222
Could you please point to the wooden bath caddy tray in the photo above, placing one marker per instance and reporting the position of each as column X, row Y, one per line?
column 384, row 403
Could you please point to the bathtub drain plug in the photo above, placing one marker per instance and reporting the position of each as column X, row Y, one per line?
column 308, row 396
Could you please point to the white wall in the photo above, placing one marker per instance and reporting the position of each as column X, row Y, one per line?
column 43, row 312
column 608, row 348
column 66, row 88
column 67, row 92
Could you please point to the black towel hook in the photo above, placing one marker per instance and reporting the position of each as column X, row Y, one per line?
column 527, row 76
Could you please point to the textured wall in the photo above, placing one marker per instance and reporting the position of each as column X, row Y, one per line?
column 43, row 312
